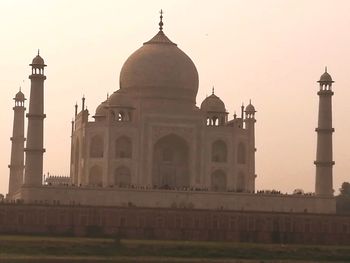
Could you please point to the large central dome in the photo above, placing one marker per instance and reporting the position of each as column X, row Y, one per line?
column 159, row 69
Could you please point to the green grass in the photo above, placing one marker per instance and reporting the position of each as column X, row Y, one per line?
column 70, row 249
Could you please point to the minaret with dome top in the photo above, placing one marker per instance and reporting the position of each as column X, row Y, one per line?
column 35, row 133
column 250, row 127
column 324, row 155
column 17, row 149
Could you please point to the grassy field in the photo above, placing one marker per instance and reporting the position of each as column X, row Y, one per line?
column 70, row 249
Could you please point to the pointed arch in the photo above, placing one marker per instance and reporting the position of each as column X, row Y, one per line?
column 218, row 181
column 241, row 153
column 219, row 151
column 95, row 176
column 96, row 146
column 171, row 162
column 123, row 147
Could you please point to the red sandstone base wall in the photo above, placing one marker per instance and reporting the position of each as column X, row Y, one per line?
column 175, row 224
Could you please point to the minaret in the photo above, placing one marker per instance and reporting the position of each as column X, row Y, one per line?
column 17, row 149
column 324, row 155
column 35, row 133
column 250, row 127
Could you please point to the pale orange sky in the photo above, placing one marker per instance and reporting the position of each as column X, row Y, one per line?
column 270, row 51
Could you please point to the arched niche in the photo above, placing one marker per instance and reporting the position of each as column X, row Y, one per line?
column 122, row 176
column 122, row 115
column 218, row 181
column 219, row 151
column 123, row 147
column 96, row 146
column 95, row 176
column 171, row 162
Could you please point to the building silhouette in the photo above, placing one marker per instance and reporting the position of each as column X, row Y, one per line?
column 149, row 145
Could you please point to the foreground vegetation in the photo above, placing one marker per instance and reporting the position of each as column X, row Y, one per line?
column 70, row 249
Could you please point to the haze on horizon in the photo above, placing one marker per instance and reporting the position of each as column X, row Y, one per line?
column 270, row 51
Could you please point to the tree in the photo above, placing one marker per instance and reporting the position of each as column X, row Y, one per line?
column 345, row 189
column 343, row 199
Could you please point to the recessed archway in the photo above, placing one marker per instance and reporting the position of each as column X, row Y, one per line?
column 122, row 176
column 96, row 146
column 123, row 147
column 95, row 176
column 170, row 162
column 218, row 181
column 219, row 152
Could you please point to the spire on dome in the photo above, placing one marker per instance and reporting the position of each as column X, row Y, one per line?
column 161, row 20
column 326, row 77
column 250, row 109
column 212, row 90
column 19, row 96
column 38, row 61
column 160, row 37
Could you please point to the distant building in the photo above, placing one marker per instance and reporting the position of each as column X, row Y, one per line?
column 150, row 145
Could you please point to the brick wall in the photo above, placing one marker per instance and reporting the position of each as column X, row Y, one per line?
column 176, row 224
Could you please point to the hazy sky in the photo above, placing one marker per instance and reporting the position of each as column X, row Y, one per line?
column 270, row 51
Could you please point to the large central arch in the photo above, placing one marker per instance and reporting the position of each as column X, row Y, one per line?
column 170, row 162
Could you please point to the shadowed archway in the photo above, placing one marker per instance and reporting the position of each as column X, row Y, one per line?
column 219, row 152
column 95, row 176
column 218, row 181
column 170, row 162
column 122, row 177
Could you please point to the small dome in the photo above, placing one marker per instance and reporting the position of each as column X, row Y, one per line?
column 20, row 96
column 213, row 104
column 38, row 61
column 101, row 110
column 326, row 77
column 120, row 99
column 250, row 108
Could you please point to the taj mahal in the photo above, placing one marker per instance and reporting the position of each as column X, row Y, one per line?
column 149, row 145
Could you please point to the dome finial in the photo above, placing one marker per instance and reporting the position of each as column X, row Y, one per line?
column 161, row 20
column 38, row 52
column 325, row 69
column 212, row 90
